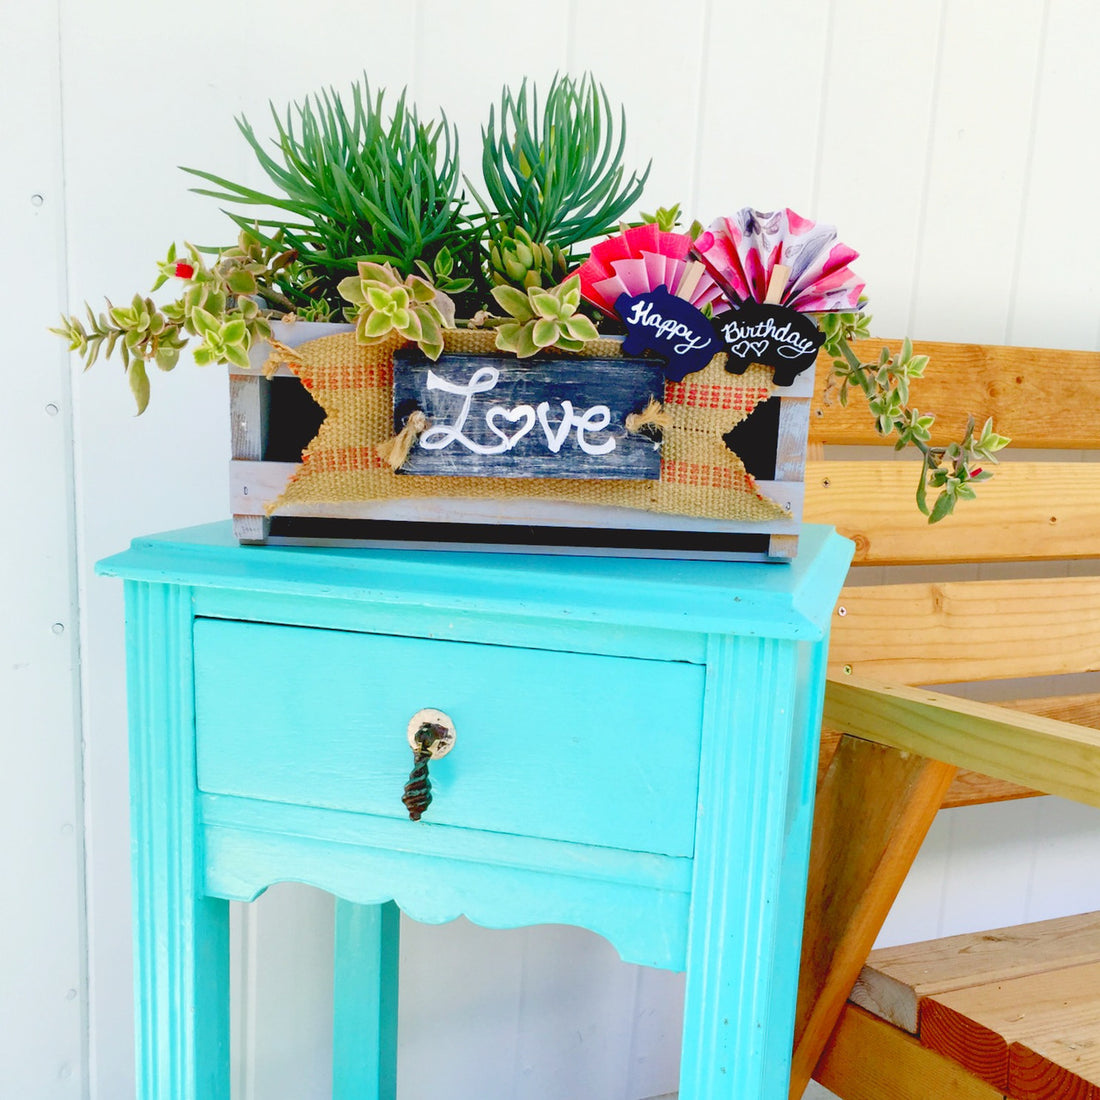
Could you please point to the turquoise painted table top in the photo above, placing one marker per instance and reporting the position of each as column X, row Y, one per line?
column 634, row 752
column 793, row 600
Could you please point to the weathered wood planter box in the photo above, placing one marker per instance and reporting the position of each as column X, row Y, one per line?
column 550, row 453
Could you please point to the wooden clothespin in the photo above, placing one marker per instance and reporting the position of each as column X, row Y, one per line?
column 777, row 283
column 689, row 280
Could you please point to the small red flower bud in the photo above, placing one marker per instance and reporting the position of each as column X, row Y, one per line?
column 977, row 470
column 184, row 271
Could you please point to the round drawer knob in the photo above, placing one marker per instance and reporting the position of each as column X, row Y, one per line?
column 444, row 731
column 431, row 734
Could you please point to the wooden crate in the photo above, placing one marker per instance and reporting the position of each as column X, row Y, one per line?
column 273, row 418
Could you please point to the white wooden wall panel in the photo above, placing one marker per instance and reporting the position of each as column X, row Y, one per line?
column 43, row 991
column 952, row 142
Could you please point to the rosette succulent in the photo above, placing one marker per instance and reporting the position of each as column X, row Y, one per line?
column 543, row 319
column 410, row 307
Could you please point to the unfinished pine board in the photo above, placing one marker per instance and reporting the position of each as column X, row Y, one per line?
column 895, row 979
column 868, row 1059
column 1039, row 397
column 971, row 788
column 1070, row 1071
column 1054, row 757
column 1053, row 1014
column 958, row 631
column 1050, row 508
column 872, row 813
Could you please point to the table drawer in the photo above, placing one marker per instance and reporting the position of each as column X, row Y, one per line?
column 565, row 746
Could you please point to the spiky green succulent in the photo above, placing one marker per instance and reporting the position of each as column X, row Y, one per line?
column 386, row 304
column 543, row 319
column 553, row 175
column 353, row 184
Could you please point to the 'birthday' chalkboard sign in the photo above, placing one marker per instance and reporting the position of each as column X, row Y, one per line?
column 779, row 337
column 495, row 416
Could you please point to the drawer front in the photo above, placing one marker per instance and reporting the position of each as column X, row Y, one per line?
column 564, row 746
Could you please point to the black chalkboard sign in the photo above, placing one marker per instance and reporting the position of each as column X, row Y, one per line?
column 774, row 335
column 671, row 327
column 498, row 416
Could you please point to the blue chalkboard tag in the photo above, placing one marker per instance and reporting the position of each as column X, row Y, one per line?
column 777, row 336
column 670, row 327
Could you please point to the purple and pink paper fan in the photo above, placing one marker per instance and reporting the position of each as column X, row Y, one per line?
column 741, row 252
column 640, row 260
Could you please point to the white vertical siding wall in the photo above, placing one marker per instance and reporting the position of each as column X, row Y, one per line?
column 953, row 142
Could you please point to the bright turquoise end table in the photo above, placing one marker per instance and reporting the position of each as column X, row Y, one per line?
column 635, row 752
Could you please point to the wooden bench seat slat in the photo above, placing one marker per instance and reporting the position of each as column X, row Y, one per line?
column 1064, row 1069
column 1033, row 751
column 1039, row 397
column 958, row 631
column 1051, row 1015
column 895, row 979
column 1050, row 508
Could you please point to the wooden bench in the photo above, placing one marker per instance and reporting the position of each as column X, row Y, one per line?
column 894, row 752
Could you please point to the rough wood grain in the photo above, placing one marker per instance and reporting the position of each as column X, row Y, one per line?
column 867, row 1059
column 1037, row 396
column 968, row 630
column 496, row 416
column 1069, row 1070
column 1052, row 1014
column 1050, row 508
column 895, row 979
column 872, row 812
column 249, row 402
column 1055, row 757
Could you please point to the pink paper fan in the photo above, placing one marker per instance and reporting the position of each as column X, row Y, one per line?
column 642, row 259
column 742, row 252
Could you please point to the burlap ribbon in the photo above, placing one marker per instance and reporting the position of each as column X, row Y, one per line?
column 700, row 476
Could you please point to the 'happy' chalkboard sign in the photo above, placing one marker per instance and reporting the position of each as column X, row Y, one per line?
column 777, row 336
column 671, row 327
column 498, row 416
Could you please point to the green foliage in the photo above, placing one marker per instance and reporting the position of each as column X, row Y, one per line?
column 219, row 307
column 543, row 319
column 954, row 469
column 519, row 261
column 352, row 186
column 412, row 308
column 667, row 218
column 554, row 172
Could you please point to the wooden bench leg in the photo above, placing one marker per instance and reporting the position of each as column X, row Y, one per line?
column 874, row 807
column 364, row 1041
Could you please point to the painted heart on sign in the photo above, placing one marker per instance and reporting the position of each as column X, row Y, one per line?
column 750, row 347
column 521, row 412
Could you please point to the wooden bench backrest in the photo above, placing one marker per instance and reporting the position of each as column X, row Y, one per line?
column 962, row 610
column 1003, row 590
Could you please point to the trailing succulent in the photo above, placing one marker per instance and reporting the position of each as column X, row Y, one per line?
column 953, row 469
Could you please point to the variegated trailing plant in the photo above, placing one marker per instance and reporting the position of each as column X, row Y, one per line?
column 952, row 469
